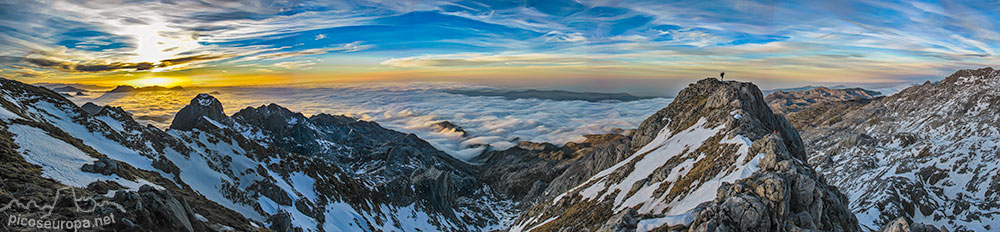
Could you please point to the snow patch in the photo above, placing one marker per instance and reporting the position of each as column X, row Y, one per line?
column 668, row 221
column 62, row 161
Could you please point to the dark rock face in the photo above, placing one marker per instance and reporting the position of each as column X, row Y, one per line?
column 714, row 138
column 446, row 126
column 530, row 172
column 783, row 102
column 601, row 152
column 203, row 109
column 91, row 108
column 102, row 165
column 156, row 210
column 282, row 222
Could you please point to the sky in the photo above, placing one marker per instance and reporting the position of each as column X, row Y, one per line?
column 648, row 48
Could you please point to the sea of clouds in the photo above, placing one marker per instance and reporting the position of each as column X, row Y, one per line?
column 413, row 108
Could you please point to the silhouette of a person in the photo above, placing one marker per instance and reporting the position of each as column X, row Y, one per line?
column 722, row 76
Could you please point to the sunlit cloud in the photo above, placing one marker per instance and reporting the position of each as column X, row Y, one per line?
column 212, row 42
column 491, row 60
column 348, row 47
column 306, row 64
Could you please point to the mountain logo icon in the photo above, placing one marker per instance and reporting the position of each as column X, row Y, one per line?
column 85, row 205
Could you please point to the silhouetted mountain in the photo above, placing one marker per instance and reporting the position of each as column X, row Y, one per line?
column 68, row 89
column 128, row 88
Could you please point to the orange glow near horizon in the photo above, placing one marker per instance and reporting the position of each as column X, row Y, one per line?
column 507, row 76
column 156, row 81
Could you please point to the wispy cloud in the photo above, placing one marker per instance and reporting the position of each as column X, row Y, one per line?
column 99, row 36
column 298, row 65
column 348, row 47
column 492, row 60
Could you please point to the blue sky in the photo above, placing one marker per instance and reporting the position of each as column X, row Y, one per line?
column 632, row 46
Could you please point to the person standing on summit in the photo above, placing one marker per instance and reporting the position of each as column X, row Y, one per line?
column 722, row 76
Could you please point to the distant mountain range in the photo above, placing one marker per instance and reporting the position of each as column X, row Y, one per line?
column 803, row 88
column 128, row 88
column 793, row 101
column 68, row 89
column 555, row 95
column 717, row 158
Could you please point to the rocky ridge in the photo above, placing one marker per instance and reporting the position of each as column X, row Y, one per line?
column 531, row 172
column 716, row 159
column 714, row 156
column 927, row 153
column 245, row 172
column 784, row 102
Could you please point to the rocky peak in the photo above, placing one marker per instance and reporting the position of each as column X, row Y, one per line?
column 715, row 159
column 328, row 119
column 122, row 88
column 446, row 126
column 986, row 75
column 203, row 108
column 719, row 102
column 114, row 112
column 91, row 108
column 270, row 117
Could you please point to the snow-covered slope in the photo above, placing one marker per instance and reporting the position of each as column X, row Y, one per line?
column 929, row 152
column 713, row 136
column 49, row 132
column 268, row 167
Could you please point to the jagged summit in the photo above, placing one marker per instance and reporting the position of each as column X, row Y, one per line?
column 967, row 76
column 91, row 108
column 129, row 88
column 715, row 159
column 717, row 101
column 203, row 108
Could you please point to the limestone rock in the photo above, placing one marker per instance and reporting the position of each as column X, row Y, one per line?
column 204, row 109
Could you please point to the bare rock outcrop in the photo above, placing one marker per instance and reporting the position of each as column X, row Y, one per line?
column 203, row 109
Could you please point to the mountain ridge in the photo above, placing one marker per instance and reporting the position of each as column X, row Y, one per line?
column 785, row 102
column 717, row 158
column 924, row 153
column 680, row 155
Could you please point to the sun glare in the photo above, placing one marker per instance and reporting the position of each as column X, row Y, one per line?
column 159, row 81
column 153, row 45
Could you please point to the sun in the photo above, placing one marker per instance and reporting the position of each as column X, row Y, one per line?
column 158, row 81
